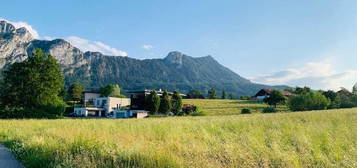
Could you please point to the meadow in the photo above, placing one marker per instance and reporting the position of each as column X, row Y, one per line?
column 214, row 107
column 297, row 139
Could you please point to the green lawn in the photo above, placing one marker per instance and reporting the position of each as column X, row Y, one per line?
column 228, row 107
column 297, row 139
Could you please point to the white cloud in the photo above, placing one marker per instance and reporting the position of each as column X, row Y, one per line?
column 318, row 75
column 48, row 38
column 20, row 24
column 87, row 45
column 147, row 46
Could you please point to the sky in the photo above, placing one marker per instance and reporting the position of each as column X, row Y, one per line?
column 294, row 42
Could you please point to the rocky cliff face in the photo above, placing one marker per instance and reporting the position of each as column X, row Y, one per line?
column 177, row 71
column 18, row 44
column 13, row 43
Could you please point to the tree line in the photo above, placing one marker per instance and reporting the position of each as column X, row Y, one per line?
column 304, row 99
column 164, row 104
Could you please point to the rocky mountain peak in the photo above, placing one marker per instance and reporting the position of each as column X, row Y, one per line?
column 13, row 43
column 6, row 27
column 9, row 31
column 174, row 57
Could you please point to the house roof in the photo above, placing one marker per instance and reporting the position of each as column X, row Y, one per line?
column 265, row 91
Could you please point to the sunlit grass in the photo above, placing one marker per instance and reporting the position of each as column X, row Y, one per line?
column 301, row 139
column 228, row 107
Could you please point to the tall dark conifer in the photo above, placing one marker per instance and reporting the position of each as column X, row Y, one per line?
column 165, row 105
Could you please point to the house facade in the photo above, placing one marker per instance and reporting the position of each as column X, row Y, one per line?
column 90, row 96
column 96, row 106
column 129, row 114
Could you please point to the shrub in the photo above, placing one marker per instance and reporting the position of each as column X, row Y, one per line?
column 245, row 111
column 244, row 97
column 269, row 110
column 44, row 112
column 189, row 109
column 197, row 112
column 347, row 104
column 308, row 101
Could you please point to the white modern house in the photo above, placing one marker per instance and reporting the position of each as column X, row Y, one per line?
column 94, row 105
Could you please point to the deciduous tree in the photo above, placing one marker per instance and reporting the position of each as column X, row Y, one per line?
column 276, row 97
column 75, row 91
column 308, row 101
column 110, row 90
column 34, row 83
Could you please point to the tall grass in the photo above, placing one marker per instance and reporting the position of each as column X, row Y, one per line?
column 307, row 139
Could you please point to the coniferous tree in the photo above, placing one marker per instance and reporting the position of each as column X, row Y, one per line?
column 176, row 103
column 153, row 102
column 165, row 104
column 212, row 93
column 224, row 95
column 231, row 96
column 354, row 89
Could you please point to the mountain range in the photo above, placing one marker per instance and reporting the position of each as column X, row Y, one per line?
column 177, row 71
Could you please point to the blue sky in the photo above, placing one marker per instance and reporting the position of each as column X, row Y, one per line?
column 295, row 42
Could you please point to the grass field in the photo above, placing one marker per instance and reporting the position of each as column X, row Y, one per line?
column 299, row 139
column 228, row 107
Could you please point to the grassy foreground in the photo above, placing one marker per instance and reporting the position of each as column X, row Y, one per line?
column 228, row 107
column 306, row 139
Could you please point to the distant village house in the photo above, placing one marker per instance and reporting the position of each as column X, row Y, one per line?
column 264, row 93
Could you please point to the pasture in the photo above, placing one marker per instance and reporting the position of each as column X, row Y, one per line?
column 213, row 107
column 297, row 139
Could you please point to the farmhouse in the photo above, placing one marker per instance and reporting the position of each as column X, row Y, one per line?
column 264, row 93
